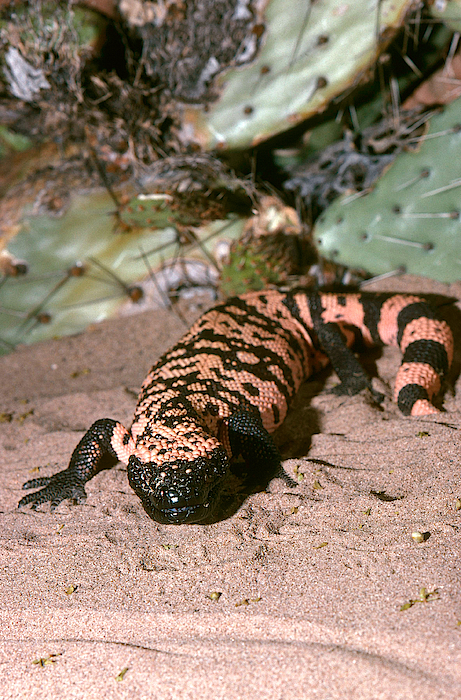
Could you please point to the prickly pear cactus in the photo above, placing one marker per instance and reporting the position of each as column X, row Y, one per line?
column 271, row 249
column 411, row 220
column 449, row 11
column 63, row 272
column 311, row 52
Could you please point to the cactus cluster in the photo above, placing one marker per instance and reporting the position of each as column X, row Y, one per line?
column 157, row 210
column 411, row 220
column 90, row 259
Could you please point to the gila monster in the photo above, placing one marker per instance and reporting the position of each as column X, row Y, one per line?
column 227, row 384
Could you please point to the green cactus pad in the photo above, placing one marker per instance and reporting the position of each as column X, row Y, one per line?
column 88, row 262
column 411, row 219
column 449, row 11
column 312, row 51
column 248, row 269
column 271, row 249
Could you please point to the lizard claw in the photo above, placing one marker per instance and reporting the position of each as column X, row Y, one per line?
column 56, row 488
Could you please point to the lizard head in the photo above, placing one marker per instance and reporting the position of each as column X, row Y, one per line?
column 179, row 491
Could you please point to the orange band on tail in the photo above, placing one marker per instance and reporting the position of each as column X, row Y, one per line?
column 428, row 329
column 417, row 373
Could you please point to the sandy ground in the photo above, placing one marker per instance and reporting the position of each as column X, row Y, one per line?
column 312, row 579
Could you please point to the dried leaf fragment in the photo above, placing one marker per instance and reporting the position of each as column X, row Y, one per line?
column 120, row 676
column 46, row 660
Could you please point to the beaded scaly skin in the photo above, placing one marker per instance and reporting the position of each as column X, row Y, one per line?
column 228, row 383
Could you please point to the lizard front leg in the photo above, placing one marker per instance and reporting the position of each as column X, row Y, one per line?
column 104, row 444
column 250, row 439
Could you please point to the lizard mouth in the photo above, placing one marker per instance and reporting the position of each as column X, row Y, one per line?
column 175, row 508
column 180, row 509
column 179, row 516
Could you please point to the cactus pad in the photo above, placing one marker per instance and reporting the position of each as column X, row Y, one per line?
column 271, row 249
column 311, row 52
column 449, row 11
column 411, row 219
column 89, row 262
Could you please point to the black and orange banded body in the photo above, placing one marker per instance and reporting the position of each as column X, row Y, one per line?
column 228, row 383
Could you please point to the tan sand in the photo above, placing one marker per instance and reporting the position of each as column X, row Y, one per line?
column 312, row 578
